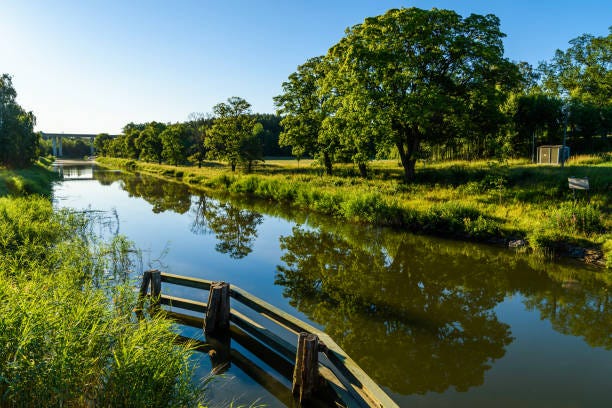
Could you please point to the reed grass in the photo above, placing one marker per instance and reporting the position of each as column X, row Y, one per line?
column 67, row 333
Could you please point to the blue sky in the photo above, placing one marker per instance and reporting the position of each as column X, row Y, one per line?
column 93, row 66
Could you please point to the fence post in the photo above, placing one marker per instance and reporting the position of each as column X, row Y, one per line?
column 155, row 287
column 218, row 308
column 142, row 292
column 144, row 285
column 306, row 371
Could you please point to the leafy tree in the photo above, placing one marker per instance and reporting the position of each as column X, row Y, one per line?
column 582, row 75
column 200, row 124
column 174, row 141
column 18, row 142
column 102, row 143
column 421, row 74
column 271, row 134
column 148, row 141
column 583, row 71
column 231, row 136
column 536, row 117
column 301, row 106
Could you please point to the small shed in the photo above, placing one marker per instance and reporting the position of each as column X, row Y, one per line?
column 553, row 154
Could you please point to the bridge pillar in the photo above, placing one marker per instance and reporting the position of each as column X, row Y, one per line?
column 60, row 147
column 53, row 146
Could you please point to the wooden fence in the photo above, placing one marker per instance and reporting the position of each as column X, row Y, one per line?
column 300, row 363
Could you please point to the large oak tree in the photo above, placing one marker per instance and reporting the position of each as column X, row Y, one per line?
column 420, row 75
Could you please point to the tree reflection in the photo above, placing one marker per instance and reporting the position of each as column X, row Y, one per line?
column 418, row 314
column 577, row 308
column 234, row 227
column 163, row 195
column 412, row 328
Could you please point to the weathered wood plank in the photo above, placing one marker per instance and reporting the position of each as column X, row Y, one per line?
column 361, row 383
column 184, row 304
column 144, row 285
column 260, row 347
column 264, row 335
column 186, row 281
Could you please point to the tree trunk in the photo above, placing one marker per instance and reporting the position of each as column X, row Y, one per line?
column 249, row 166
column 407, row 147
column 233, row 167
column 363, row 170
column 328, row 163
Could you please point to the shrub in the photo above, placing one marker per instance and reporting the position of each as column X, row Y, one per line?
column 572, row 218
column 449, row 217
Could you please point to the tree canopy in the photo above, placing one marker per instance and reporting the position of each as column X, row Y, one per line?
column 420, row 75
column 231, row 137
column 18, row 142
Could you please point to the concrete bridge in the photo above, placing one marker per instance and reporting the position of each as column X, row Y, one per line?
column 56, row 140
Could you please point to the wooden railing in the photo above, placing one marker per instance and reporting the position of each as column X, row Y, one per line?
column 347, row 379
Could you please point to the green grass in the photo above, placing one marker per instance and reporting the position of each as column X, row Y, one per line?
column 480, row 200
column 67, row 333
column 33, row 180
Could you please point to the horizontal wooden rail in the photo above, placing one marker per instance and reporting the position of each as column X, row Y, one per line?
column 186, row 281
column 360, row 385
column 282, row 365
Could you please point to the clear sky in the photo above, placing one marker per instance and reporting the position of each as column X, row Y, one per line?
column 92, row 66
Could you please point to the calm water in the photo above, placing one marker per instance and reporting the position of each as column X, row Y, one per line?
column 436, row 323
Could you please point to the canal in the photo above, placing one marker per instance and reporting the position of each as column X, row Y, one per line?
column 435, row 322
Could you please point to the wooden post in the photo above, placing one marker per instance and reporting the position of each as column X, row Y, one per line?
column 155, row 287
column 144, row 286
column 306, row 371
column 217, row 317
column 142, row 293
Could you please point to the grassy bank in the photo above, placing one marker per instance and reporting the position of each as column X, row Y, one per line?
column 67, row 333
column 468, row 200
column 33, row 180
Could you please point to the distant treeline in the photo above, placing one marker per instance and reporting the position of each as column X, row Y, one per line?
column 193, row 140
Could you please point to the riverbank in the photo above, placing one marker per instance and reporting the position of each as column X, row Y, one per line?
column 518, row 204
column 32, row 180
column 69, row 337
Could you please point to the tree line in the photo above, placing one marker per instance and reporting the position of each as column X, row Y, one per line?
column 232, row 133
column 409, row 84
column 416, row 84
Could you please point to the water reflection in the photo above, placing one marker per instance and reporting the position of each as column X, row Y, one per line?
column 418, row 314
column 577, row 310
column 162, row 195
column 234, row 227
column 383, row 295
column 75, row 172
